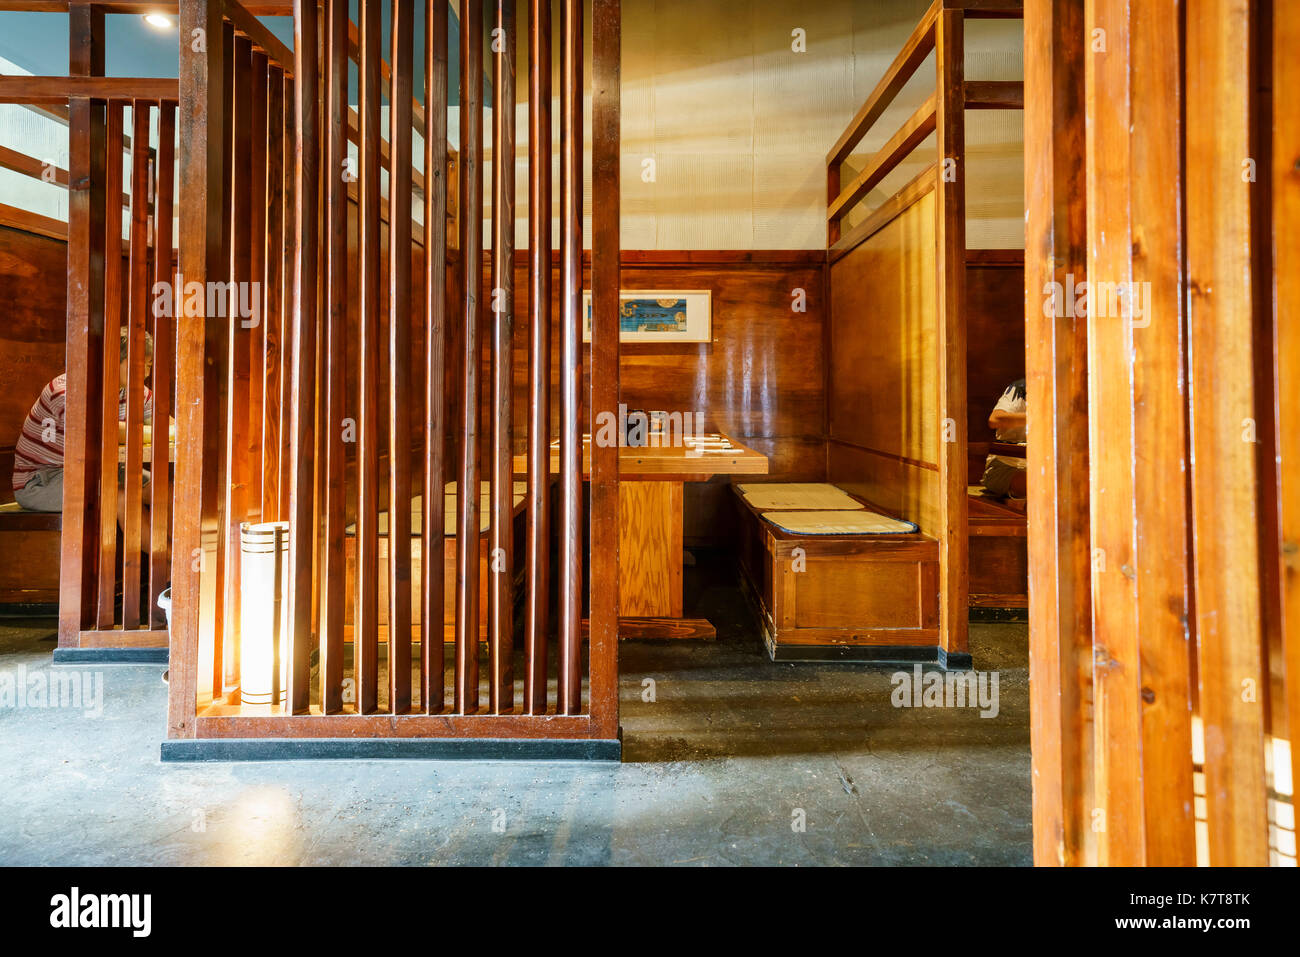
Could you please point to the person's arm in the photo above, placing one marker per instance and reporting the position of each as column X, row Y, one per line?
column 1001, row 420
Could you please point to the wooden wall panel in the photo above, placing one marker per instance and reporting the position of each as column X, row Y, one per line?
column 995, row 340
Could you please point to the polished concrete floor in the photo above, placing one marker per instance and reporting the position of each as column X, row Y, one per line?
column 736, row 760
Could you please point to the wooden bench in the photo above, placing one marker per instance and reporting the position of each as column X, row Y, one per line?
column 860, row 597
column 30, row 544
column 998, row 537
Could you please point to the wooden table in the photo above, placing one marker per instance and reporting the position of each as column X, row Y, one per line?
column 651, row 495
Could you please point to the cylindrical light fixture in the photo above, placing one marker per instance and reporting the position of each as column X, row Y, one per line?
column 264, row 613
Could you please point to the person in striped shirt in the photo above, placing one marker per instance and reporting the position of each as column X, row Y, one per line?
column 38, row 453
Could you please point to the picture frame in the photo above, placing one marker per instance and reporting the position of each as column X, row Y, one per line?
column 659, row 315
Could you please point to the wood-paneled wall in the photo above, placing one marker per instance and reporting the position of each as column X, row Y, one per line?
column 883, row 433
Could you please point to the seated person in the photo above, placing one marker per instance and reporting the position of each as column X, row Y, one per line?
column 38, row 453
column 1004, row 475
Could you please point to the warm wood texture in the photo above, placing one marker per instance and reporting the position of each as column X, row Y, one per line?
column 570, row 525
column 835, row 591
column 537, row 554
column 435, row 604
column 59, row 89
column 650, row 543
column 1221, row 379
column 1060, row 635
column 1286, row 291
column 883, row 318
column 465, row 690
column 500, row 606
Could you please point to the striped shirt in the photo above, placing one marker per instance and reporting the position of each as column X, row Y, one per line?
column 40, row 445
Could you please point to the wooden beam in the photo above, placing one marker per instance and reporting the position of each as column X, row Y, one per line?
column 366, row 650
column 950, row 258
column 571, row 523
column 432, row 577
column 85, row 329
column 248, row 26
column 605, row 283
column 465, row 690
column 59, row 89
column 301, row 485
column 500, row 587
column 1060, row 611
column 995, row 95
column 537, row 558
column 1221, row 381
column 333, row 578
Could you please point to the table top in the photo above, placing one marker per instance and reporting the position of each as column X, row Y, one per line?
column 696, row 459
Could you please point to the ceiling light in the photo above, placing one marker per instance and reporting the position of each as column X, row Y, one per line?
column 158, row 21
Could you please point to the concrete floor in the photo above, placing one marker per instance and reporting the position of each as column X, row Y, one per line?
column 732, row 752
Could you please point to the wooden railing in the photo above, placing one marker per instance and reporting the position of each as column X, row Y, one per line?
column 331, row 473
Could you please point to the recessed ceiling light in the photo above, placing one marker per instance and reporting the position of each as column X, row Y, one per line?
column 158, row 21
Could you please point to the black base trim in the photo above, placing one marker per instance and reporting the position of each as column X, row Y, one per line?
column 434, row 749
column 111, row 656
column 872, row 655
column 29, row 609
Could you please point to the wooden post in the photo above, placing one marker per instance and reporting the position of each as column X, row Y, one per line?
column 202, row 117
column 1219, row 271
column 605, row 252
column 950, row 239
column 366, row 615
column 401, row 90
column 570, row 593
column 501, row 565
column 333, row 579
column 1060, row 611
column 301, row 488
column 110, row 366
column 432, row 567
column 85, row 329
column 164, row 347
column 465, row 692
column 537, row 558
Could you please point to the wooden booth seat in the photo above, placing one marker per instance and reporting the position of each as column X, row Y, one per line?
column 448, row 558
column 998, row 551
column 29, row 542
column 853, row 595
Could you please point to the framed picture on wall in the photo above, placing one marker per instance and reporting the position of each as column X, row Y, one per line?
column 658, row 315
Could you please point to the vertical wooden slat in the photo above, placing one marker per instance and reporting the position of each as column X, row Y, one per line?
column 273, row 314
column 257, row 251
column 1157, row 349
column 501, row 590
column 366, row 634
column 111, row 365
column 1286, row 278
column 238, row 467
column 286, row 297
column 432, row 567
column 1223, row 477
column 606, row 32
column 570, row 531
column 1060, row 631
column 138, row 297
column 465, row 686
column 302, row 465
column 1117, row 684
column 223, row 663
column 333, row 581
column 164, row 338
column 537, row 559
column 401, row 90
column 201, row 118
column 85, row 329
column 950, row 239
